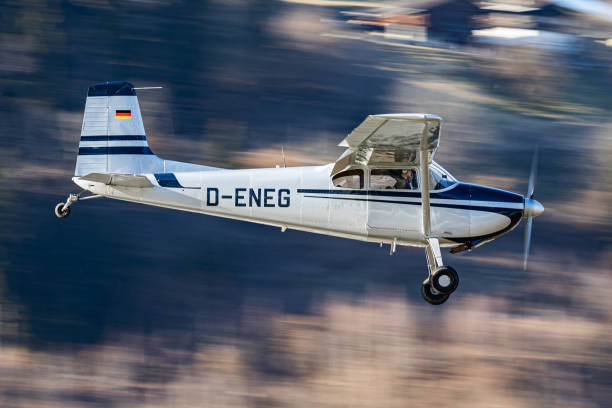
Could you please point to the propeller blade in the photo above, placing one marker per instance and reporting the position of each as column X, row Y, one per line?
column 527, row 242
column 533, row 174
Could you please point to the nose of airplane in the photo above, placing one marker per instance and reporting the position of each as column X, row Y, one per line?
column 532, row 208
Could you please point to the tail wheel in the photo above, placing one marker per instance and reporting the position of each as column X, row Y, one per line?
column 60, row 212
column 444, row 280
column 430, row 296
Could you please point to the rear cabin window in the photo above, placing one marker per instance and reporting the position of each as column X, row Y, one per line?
column 349, row 179
column 393, row 179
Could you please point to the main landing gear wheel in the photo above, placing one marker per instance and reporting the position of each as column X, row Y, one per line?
column 444, row 280
column 62, row 212
column 430, row 296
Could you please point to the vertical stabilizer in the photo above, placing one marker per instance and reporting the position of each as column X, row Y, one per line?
column 113, row 138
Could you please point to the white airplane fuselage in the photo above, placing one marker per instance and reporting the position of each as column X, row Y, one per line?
column 304, row 198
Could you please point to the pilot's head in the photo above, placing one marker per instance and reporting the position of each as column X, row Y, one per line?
column 407, row 174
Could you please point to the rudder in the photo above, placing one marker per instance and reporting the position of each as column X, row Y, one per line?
column 113, row 138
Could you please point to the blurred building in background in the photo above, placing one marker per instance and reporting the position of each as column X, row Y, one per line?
column 563, row 26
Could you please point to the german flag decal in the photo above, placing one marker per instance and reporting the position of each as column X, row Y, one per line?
column 123, row 114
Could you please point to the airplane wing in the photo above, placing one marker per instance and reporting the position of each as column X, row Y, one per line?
column 122, row 180
column 391, row 139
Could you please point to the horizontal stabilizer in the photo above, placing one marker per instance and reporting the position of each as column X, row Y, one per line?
column 122, row 180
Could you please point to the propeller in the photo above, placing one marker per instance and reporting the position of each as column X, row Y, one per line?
column 532, row 207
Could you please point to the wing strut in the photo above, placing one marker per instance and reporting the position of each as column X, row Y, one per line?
column 432, row 250
column 424, row 164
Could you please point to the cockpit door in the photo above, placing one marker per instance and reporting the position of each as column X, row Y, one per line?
column 393, row 203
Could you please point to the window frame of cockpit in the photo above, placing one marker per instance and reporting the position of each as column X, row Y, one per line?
column 450, row 177
column 353, row 168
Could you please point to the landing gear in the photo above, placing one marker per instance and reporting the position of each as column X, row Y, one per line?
column 442, row 280
column 62, row 210
column 430, row 296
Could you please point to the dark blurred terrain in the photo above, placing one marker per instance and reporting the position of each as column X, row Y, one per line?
column 126, row 305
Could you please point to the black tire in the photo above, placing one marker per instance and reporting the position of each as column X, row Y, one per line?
column 431, row 297
column 59, row 213
column 444, row 280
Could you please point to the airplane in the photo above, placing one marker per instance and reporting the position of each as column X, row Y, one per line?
column 375, row 191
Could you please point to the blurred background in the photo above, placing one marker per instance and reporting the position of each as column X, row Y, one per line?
column 123, row 305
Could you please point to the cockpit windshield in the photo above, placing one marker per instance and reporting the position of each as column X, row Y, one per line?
column 439, row 178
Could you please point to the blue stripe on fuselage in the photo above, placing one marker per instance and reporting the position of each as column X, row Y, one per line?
column 363, row 192
column 109, row 150
column 482, row 193
column 111, row 138
column 169, row 180
column 460, row 191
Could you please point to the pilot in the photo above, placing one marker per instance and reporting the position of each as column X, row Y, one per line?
column 406, row 180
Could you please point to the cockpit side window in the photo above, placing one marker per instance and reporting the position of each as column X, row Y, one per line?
column 439, row 179
column 352, row 179
column 393, row 179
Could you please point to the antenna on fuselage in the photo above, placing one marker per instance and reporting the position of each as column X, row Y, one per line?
column 283, row 153
column 148, row 88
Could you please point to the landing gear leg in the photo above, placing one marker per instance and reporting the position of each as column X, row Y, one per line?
column 62, row 210
column 442, row 280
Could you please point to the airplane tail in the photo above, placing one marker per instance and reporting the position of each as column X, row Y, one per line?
column 113, row 139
